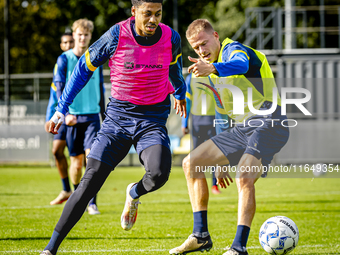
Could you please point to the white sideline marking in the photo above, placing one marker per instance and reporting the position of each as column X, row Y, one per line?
column 154, row 250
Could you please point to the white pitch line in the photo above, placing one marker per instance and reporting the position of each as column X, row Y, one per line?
column 155, row 250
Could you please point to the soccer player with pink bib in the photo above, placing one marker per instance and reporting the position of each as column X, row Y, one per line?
column 143, row 55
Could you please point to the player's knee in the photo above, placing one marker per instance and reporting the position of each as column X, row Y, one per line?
column 157, row 162
column 186, row 166
column 161, row 180
column 245, row 183
column 159, row 177
column 77, row 165
column 58, row 153
column 95, row 175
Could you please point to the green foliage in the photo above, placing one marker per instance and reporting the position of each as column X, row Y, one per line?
column 36, row 27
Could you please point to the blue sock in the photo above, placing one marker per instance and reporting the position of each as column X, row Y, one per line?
column 241, row 237
column 66, row 184
column 54, row 242
column 214, row 181
column 200, row 224
column 134, row 192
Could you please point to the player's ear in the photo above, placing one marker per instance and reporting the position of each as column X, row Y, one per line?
column 133, row 10
column 216, row 35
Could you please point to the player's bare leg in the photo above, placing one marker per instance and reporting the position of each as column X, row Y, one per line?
column 246, row 189
column 249, row 171
column 58, row 147
column 207, row 154
column 76, row 169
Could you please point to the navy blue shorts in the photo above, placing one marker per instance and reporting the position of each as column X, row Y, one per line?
column 118, row 134
column 80, row 136
column 202, row 129
column 261, row 141
column 61, row 133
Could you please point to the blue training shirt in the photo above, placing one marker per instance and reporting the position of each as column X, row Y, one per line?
column 235, row 60
column 60, row 78
column 188, row 100
column 239, row 59
column 52, row 102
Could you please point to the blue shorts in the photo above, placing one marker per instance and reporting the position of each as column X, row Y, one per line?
column 261, row 138
column 61, row 133
column 80, row 136
column 202, row 129
column 118, row 133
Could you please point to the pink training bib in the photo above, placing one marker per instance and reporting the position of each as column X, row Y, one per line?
column 140, row 74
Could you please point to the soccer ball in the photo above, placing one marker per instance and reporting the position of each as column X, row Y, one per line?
column 279, row 235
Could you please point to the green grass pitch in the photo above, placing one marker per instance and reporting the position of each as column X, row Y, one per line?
column 164, row 218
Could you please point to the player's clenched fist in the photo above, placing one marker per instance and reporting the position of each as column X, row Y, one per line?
column 55, row 122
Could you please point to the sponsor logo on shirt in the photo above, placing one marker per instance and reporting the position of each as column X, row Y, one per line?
column 131, row 65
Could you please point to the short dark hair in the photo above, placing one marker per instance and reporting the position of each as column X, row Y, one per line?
column 137, row 3
column 66, row 34
column 197, row 26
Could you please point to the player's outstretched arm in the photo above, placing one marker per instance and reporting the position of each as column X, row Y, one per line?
column 176, row 76
column 235, row 61
column 95, row 56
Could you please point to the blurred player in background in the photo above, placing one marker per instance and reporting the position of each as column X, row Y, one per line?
column 67, row 41
column 59, row 140
column 83, row 120
column 143, row 55
column 247, row 145
column 202, row 117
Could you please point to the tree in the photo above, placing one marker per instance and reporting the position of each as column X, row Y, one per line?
column 36, row 27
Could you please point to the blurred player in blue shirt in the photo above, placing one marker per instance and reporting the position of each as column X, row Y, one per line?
column 83, row 120
column 59, row 140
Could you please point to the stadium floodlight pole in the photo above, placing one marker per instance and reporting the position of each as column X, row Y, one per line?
column 6, row 60
column 175, row 21
column 322, row 24
column 339, row 24
column 289, row 24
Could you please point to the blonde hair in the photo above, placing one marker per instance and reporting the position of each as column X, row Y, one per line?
column 83, row 24
column 197, row 26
